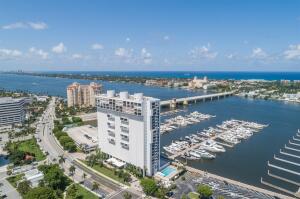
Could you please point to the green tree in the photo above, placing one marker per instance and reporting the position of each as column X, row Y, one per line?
column 40, row 193
column 220, row 197
column 83, row 176
column 205, row 191
column 61, row 159
column 54, row 177
column 161, row 193
column 183, row 196
column 72, row 170
column 127, row 195
column 72, row 192
column 23, row 187
column 149, row 186
column 95, row 186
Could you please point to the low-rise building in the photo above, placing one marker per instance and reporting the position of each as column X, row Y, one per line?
column 34, row 176
column 85, row 137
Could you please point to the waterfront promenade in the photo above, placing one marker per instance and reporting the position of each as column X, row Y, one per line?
column 247, row 186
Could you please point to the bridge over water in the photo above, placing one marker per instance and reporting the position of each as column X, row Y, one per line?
column 201, row 98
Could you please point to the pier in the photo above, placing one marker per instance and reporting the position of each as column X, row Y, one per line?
column 187, row 100
column 247, row 186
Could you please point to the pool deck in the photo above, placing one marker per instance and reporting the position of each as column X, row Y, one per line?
column 168, row 177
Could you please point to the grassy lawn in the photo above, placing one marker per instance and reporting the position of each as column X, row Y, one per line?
column 84, row 193
column 30, row 146
column 108, row 172
column 193, row 195
column 14, row 179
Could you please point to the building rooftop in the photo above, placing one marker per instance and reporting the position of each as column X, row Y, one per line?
column 124, row 95
column 4, row 100
column 84, row 135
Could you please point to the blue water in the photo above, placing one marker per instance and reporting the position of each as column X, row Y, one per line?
column 190, row 74
column 3, row 160
column 57, row 86
column 247, row 161
column 167, row 171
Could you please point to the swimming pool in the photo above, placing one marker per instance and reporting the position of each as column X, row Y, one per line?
column 167, row 171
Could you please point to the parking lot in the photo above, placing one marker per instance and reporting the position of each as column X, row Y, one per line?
column 229, row 191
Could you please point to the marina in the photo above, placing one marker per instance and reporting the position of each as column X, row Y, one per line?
column 182, row 121
column 285, row 168
column 207, row 143
column 283, row 120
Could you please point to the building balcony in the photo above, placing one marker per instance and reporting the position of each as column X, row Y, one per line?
column 125, row 138
column 125, row 122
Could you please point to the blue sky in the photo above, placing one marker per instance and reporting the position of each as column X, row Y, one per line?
column 212, row 35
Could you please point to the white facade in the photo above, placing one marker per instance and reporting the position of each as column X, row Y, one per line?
column 128, row 129
column 11, row 111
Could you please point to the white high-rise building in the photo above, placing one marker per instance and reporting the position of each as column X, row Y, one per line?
column 128, row 129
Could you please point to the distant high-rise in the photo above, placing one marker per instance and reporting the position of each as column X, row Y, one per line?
column 82, row 95
column 128, row 128
column 11, row 111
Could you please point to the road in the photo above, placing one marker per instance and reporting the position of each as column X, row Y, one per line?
column 49, row 144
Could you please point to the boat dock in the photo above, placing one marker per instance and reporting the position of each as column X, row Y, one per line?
column 201, row 98
column 286, row 152
column 247, row 186
column 175, row 155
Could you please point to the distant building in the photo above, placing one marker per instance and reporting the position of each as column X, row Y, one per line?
column 285, row 81
column 128, row 128
column 198, row 83
column 11, row 111
column 82, row 95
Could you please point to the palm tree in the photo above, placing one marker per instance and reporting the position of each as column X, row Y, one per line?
column 95, row 186
column 61, row 159
column 127, row 195
column 83, row 176
column 72, row 170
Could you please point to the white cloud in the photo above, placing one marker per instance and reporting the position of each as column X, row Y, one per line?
column 128, row 39
column 77, row 56
column 97, row 46
column 59, row 48
column 38, row 25
column 146, row 56
column 9, row 53
column 123, row 52
column 16, row 25
column 23, row 25
column 203, row 52
column 231, row 56
column 166, row 38
column 293, row 52
column 39, row 52
column 259, row 53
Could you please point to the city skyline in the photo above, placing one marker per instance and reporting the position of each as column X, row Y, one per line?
column 144, row 36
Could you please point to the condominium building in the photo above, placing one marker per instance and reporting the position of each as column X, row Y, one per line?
column 128, row 129
column 11, row 111
column 82, row 95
